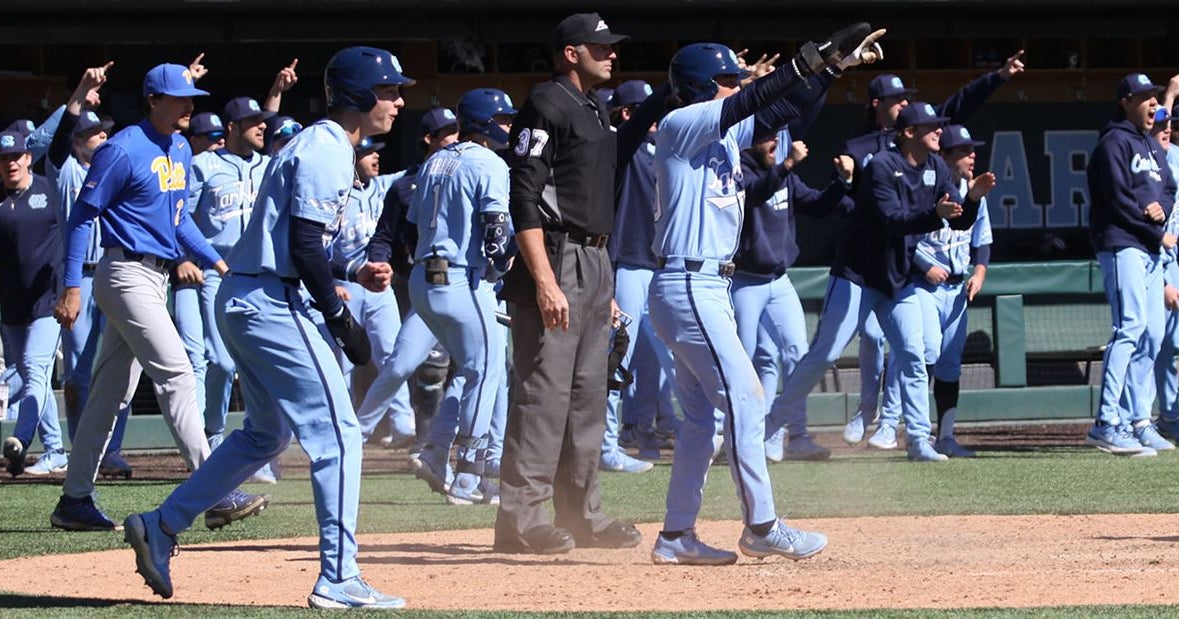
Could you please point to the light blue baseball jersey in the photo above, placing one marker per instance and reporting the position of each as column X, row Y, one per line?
column 455, row 186
column 138, row 187
column 68, row 181
column 949, row 248
column 356, row 226
column 698, row 178
column 310, row 178
column 221, row 192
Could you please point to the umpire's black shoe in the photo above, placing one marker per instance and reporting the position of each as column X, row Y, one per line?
column 617, row 534
column 540, row 540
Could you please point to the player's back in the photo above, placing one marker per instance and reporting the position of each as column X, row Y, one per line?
column 453, row 187
column 309, row 178
column 698, row 176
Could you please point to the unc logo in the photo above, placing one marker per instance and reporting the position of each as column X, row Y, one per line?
column 215, row 121
column 38, row 201
column 964, row 134
column 1142, row 79
column 90, row 116
column 170, row 175
column 254, row 106
column 393, row 61
column 7, row 141
column 895, row 82
column 647, row 90
column 449, row 115
column 928, row 178
column 928, row 109
column 507, row 101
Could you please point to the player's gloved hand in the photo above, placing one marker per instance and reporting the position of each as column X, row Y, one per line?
column 350, row 337
column 849, row 47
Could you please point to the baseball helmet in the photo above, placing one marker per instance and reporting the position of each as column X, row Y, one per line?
column 352, row 74
column 694, row 69
column 477, row 110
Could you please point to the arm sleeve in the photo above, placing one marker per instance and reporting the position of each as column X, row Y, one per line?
column 793, row 106
column 981, row 255
column 763, row 184
column 59, row 147
column 811, row 201
column 194, row 243
column 761, row 93
column 312, row 264
column 380, row 246
column 1115, row 195
column 531, row 164
column 880, row 193
column 964, row 103
column 632, row 132
column 41, row 137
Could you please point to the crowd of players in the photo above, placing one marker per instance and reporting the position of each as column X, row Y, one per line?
column 700, row 234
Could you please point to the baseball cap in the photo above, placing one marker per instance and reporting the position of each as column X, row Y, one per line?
column 605, row 96
column 918, row 113
column 12, row 142
column 22, row 126
column 954, row 136
column 888, row 85
column 367, row 145
column 284, row 126
column 88, row 120
column 206, row 123
column 1136, row 83
column 170, row 79
column 243, row 107
column 437, row 119
column 631, row 92
column 584, row 28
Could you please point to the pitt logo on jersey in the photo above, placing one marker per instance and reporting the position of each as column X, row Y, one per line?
column 171, row 175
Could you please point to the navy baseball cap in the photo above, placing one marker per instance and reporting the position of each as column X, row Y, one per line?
column 605, row 96
column 170, row 79
column 12, row 143
column 243, row 107
column 954, row 136
column 206, row 123
column 584, row 28
column 888, row 85
column 88, row 121
column 22, row 126
column 367, row 145
column 438, row 119
column 1136, row 83
column 918, row 113
column 632, row 92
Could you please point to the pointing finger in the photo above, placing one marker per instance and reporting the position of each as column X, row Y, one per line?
column 293, row 64
column 199, row 58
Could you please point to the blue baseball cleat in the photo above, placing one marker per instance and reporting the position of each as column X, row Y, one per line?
column 805, row 448
column 1114, row 440
column 782, row 540
column 351, row 593
column 687, row 549
column 154, row 548
column 853, row 432
column 54, row 461
column 775, row 444
column 921, row 450
column 885, row 437
column 80, row 515
column 620, row 462
column 1149, row 436
column 433, row 467
column 466, row 489
column 235, row 506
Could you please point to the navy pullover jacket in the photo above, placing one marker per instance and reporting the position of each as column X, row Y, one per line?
column 769, row 243
column 30, row 252
column 1127, row 171
column 895, row 200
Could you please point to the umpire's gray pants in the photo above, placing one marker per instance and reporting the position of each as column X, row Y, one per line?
column 553, row 440
column 139, row 336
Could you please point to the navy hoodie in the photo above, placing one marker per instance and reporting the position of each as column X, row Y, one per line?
column 30, row 252
column 1127, row 171
column 895, row 200
column 768, row 242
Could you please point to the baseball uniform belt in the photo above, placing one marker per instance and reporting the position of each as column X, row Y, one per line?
column 954, row 280
column 155, row 262
column 723, row 269
column 290, row 281
column 588, row 240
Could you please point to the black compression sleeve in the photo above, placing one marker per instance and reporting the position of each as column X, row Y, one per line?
column 311, row 262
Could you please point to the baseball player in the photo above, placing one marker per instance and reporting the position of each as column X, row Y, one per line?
column 903, row 192
column 38, row 137
column 288, row 380
column 206, row 133
column 887, row 96
column 1166, row 379
column 30, row 255
column 221, row 191
column 460, row 209
column 79, row 134
column 949, row 268
column 1132, row 192
column 764, row 299
column 137, row 187
column 697, row 231
column 634, row 265
column 388, row 244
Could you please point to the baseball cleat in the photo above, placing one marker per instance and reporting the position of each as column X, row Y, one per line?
column 1111, row 439
column 921, row 450
column 351, row 593
column 55, row 461
column 1149, row 436
column 687, row 549
column 114, row 466
column 154, row 549
column 265, row 475
column 14, row 453
column 433, row 467
column 853, row 432
column 784, row 541
column 804, row 448
column 237, row 505
column 620, row 462
column 80, row 515
column 775, row 445
column 885, row 437
column 465, row 490
column 950, row 447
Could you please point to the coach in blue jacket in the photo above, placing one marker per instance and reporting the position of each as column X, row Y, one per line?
column 1132, row 192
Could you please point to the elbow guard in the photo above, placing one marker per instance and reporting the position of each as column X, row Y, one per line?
column 495, row 235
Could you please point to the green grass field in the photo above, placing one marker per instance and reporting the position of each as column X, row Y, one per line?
column 1027, row 481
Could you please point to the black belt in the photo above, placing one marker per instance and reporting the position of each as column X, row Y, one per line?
column 954, row 280
column 162, row 264
column 588, row 240
column 290, row 281
column 724, row 269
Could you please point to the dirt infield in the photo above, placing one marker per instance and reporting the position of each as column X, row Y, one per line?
column 896, row 562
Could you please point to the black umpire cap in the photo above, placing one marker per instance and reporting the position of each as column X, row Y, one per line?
column 584, row 28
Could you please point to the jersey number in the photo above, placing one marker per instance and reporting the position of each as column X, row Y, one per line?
column 170, row 175
column 537, row 137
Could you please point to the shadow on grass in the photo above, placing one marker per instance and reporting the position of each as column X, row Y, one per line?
column 17, row 600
